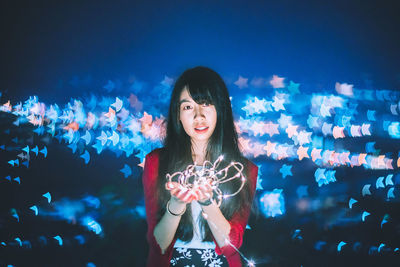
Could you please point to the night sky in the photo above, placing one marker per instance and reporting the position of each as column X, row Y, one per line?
column 46, row 43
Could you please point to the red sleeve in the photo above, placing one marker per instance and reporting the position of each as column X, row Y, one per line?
column 150, row 177
column 239, row 219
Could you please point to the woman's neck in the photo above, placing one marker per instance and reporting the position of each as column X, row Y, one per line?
column 199, row 152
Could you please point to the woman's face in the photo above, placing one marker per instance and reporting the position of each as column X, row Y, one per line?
column 198, row 120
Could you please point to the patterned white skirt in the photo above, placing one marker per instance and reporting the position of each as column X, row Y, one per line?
column 191, row 257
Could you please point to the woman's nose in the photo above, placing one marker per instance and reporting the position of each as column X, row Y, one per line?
column 198, row 112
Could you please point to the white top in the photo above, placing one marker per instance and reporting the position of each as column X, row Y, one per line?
column 196, row 241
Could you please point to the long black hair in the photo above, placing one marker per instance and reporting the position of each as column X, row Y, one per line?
column 204, row 86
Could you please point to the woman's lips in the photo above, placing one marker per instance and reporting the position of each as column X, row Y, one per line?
column 201, row 129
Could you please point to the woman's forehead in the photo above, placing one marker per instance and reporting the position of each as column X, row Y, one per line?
column 185, row 94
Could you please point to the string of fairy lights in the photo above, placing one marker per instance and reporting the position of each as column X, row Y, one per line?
column 192, row 179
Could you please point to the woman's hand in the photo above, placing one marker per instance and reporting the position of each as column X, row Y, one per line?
column 204, row 191
column 180, row 193
column 200, row 192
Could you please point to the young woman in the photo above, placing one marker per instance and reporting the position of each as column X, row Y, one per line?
column 186, row 229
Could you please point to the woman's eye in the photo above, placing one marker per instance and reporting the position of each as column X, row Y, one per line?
column 186, row 107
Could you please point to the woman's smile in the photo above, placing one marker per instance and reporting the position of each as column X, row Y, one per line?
column 201, row 129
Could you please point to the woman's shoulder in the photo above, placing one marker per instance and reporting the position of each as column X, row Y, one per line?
column 250, row 165
column 155, row 153
column 252, row 169
column 151, row 161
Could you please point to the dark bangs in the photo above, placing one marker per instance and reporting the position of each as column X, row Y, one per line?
column 204, row 86
column 201, row 93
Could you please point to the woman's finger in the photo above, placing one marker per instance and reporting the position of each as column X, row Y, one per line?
column 188, row 196
column 174, row 191
column 172, row 185
column 200, row 194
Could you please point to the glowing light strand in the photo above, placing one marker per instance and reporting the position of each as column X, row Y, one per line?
column 250, row 263
column 192, row 179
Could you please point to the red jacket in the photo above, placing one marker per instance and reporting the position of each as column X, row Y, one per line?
column 238, row 221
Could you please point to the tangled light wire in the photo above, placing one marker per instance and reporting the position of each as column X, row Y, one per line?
column 191, row 179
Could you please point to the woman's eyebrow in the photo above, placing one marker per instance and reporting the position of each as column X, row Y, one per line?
column 183, row 101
